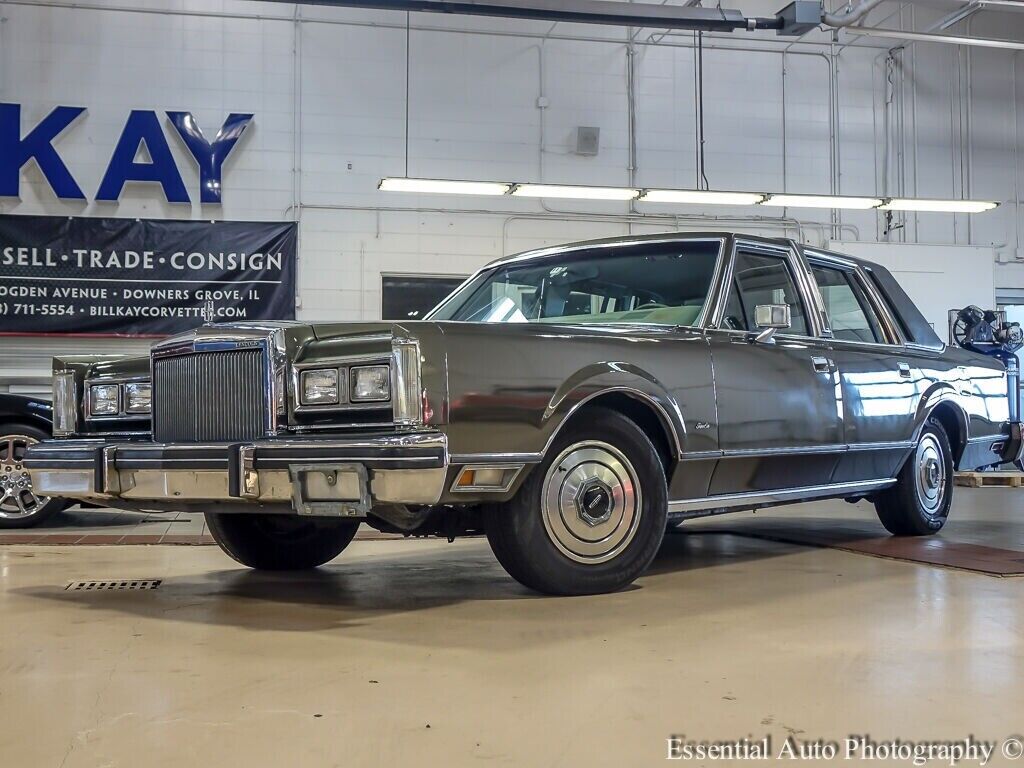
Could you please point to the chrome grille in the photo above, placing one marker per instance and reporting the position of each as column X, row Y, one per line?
column 209, row 397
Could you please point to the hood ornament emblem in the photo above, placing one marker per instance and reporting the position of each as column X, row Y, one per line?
column 208, row 312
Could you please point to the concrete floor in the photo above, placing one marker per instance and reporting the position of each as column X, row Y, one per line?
column 424, row 653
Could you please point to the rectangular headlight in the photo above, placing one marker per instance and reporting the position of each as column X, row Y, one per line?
column 320, row 387
column 138, row 397
column 371, row 383
column 104, row 400
column 65, row 407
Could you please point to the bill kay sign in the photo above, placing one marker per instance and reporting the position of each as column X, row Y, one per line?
column 142, row 128
column 109, row 276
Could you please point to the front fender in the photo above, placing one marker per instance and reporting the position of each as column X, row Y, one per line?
column 511, row 386
column 598, row 379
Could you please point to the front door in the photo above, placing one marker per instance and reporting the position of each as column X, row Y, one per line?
column 779, row 425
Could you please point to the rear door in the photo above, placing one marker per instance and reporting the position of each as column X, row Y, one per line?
column 879, row 381
column 779, row 426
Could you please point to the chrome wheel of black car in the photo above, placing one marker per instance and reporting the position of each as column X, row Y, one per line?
column 918, row 504
column 591, row 502
column 589, row 518
column 17, row 500
column 20, row 506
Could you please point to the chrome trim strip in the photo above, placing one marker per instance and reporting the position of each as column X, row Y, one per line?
column 411, row 440
column 737, row 453
column 718, row 290
column 889, row 446
column 488, row 458
column 986, row 439
column 781, row 495
column 807, row 287
column 348, row 458
column 869, row 346
column 301, row 429
column 700, row 455
column 222, row 460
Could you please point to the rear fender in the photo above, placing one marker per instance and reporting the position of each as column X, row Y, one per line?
column 942, row 393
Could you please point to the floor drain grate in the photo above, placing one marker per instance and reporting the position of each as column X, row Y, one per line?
column 106, row 586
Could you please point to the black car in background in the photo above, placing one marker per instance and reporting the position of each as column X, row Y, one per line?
column 23, row 422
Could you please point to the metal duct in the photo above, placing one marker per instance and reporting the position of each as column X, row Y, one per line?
column 852, row 16
column 577, row 11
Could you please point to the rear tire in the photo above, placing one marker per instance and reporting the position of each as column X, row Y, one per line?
column 918, row 505
column 281, row 542
column 590, row 518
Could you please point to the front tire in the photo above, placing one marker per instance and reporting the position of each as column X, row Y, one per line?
column 280, row 542
column 590, row 518
column 918, row 505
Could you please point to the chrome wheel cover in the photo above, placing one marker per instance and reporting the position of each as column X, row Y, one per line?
column 930, row 475
column 591, row 502
column 17, row 501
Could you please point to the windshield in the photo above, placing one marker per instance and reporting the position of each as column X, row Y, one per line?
column 663, row 284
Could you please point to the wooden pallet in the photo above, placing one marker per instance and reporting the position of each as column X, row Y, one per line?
column 990, row 479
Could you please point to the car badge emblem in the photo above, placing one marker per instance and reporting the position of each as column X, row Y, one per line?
column 208, row 312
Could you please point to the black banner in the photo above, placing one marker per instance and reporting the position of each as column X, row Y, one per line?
column 128, row 277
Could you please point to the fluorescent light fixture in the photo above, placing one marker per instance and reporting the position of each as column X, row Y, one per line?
column 823, row 201
column 578, row 192
column 681, row 196
column 403, row 184
column 701, row 197
column 938, row 206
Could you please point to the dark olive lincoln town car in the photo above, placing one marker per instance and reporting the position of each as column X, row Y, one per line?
column 571, row 403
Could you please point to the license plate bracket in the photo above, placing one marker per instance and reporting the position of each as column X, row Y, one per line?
column 330, row 490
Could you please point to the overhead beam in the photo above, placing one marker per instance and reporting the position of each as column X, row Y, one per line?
column 955, row 17
column 611, row 12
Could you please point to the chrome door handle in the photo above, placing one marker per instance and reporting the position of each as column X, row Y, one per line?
column 821, row 364
column 904, row 370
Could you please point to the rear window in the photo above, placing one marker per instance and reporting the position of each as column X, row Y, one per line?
column 889, row 305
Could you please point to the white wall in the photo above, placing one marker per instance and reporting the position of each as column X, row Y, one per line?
column 937, row 277
column 328, row 88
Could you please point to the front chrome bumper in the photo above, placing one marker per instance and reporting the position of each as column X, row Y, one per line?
column 312, row 476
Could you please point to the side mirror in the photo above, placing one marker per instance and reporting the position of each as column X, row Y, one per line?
column 770, row 318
